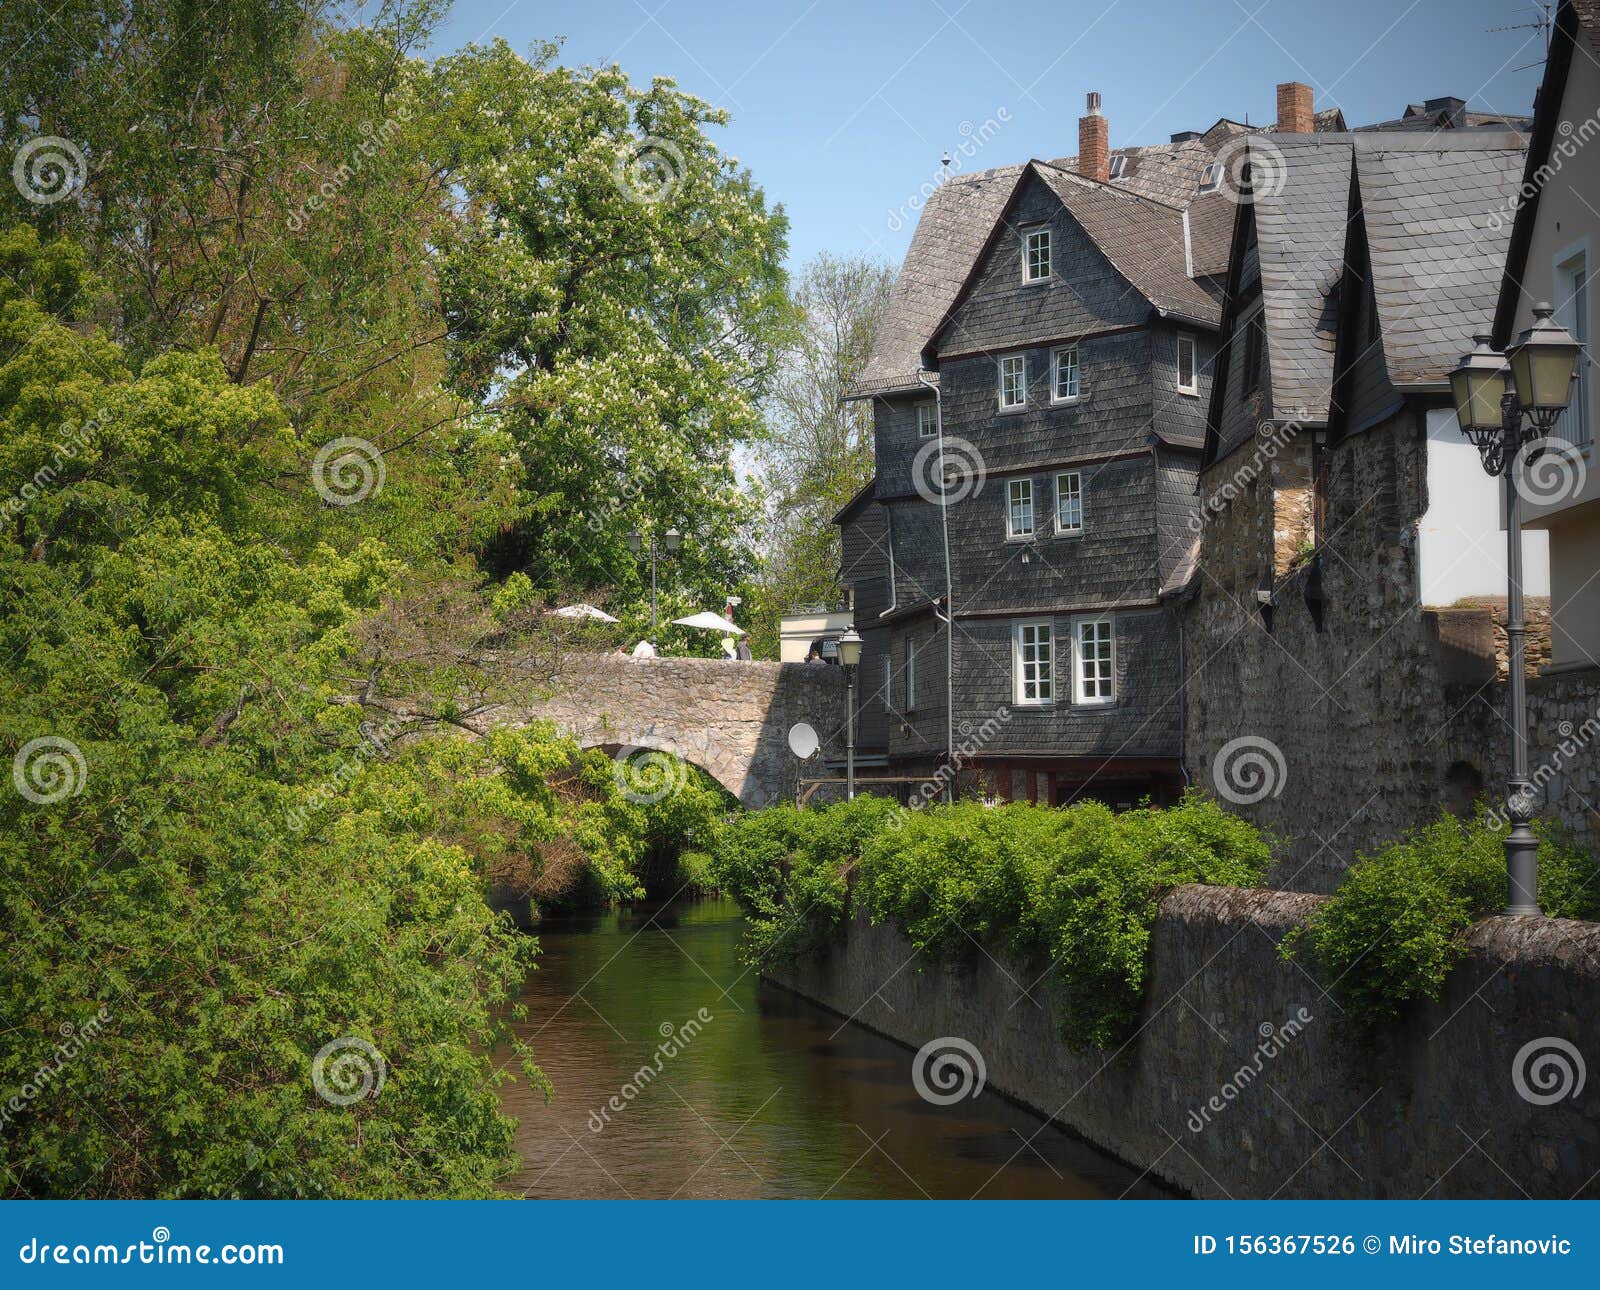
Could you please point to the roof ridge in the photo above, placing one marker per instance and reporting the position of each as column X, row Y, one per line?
column 1110, row 187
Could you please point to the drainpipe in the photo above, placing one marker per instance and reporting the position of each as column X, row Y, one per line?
column 949, row 598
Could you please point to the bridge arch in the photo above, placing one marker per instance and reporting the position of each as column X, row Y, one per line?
column 728, row 717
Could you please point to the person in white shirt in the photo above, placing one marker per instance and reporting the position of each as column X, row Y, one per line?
column 644, row 649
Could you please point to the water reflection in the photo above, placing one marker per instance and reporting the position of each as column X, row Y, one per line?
column 769, row 1097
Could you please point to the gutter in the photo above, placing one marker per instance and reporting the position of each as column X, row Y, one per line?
column 949, row 597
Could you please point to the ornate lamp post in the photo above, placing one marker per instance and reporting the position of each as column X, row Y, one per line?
column 850, row 658
column 1502, row 423
column 672, row 539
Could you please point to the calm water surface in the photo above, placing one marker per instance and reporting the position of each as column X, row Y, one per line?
column 773, row 1097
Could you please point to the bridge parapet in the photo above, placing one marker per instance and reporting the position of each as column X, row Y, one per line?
column 730, row 718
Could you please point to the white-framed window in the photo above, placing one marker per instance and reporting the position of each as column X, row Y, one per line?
column 1188, row 365
column 1211, row 177
column 1069, row 502
column 888, row 684
column 1064, row 374
column 1013, row 381
column 1019, row 508
column 927, row 421
column 911, row 675
column 1094, row 675
column 1036, row 255
column 1119, row 164
column 1033, row 662
column 1573, row 301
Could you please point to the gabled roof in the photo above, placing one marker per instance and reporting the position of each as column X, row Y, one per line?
column 1145, row 240
column 1435, row 208
column 959, row 218
column 1576, row 20
column 1300, row 231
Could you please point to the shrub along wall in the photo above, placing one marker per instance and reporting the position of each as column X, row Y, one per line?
column 1243, row 1078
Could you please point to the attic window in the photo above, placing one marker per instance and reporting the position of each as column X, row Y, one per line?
column 1036, row 255
column 1119, row 164
column 1211, row 177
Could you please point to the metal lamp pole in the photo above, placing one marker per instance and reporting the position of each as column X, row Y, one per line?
column 1543, row 366
column 673, row 540
column 850, row 658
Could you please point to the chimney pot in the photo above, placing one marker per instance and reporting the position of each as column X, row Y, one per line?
column 1094, row 143
column 1296, row 115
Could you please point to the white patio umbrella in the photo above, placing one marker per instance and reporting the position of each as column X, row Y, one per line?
column 583, row 611
column 708, row 621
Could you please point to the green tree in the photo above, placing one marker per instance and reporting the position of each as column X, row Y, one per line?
column 615, row 292
column 817, row 450
column 179, row 953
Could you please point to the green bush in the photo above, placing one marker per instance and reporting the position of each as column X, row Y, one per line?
column 1398, row 922
column 1078, row 886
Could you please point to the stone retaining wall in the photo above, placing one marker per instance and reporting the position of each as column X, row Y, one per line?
column 1429, row 1107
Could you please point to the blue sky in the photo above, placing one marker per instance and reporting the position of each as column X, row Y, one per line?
column 842, row 108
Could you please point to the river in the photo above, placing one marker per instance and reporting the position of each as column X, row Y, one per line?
column 769, row 1097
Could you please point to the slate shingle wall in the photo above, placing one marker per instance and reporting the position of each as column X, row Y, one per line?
column 1084, row 293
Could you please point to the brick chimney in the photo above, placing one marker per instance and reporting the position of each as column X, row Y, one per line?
column 1295, row 112
column 1094, row 143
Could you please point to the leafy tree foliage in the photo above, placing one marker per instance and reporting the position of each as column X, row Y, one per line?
column 817, row 453
column 1398, row 922
column 1078, row 886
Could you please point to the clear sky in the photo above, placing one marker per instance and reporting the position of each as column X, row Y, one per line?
column 842, row 108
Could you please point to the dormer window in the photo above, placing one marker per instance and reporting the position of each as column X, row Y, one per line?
column 1119, row 165
column 1036, row 255
column 1211, row 177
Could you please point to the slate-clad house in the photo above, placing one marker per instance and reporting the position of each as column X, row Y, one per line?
column 1555, row 245
column 1344, row 516
column 1050, row 340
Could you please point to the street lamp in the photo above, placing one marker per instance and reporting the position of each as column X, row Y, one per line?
column 672, row 540
column 1543, row 365
column 849, row 659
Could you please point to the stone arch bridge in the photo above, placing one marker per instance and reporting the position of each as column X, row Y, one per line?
column 730, row 718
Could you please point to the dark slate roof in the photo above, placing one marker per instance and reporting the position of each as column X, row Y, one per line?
column 1300, row 217
column 1145, row 240
column 958, row 218
column 954, row 225
column 1437, row 212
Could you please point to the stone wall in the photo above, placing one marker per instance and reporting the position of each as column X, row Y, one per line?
column 1366, row 723
column 730, row 718
column 1304, row 1107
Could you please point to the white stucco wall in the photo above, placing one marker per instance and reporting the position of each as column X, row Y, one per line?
column 1461, row 546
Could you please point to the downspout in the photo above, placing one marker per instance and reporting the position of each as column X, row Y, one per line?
column 949, row 599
